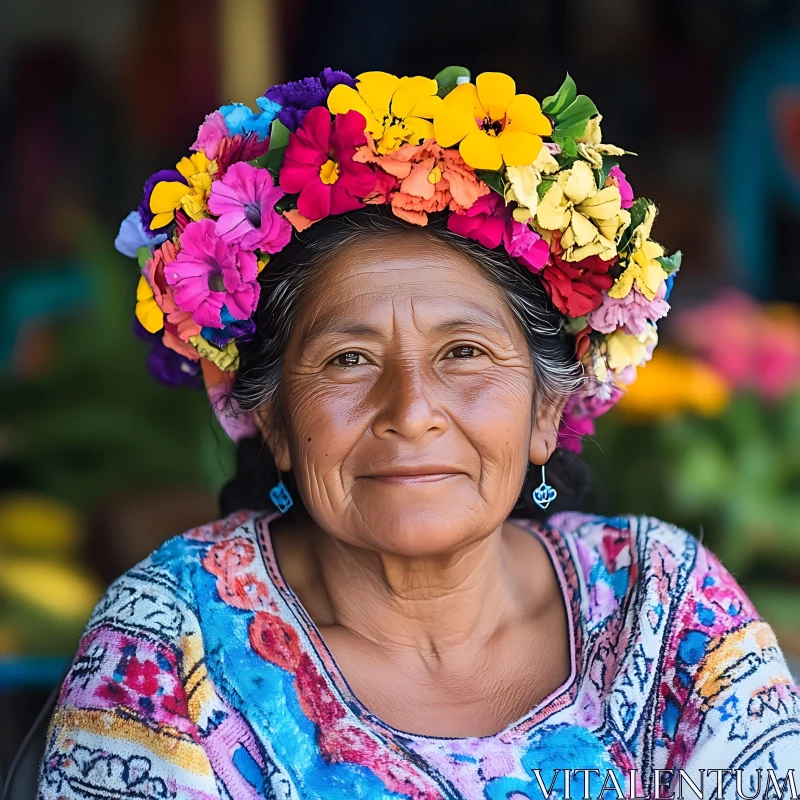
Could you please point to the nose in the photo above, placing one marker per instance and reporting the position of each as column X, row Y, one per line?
column 408, row 405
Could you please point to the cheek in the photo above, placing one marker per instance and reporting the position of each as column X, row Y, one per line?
column 325, row 422
column 496, row 414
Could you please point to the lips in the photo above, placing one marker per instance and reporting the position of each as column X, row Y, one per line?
column 415, row 473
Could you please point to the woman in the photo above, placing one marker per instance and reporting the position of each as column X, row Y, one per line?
column 407, row 309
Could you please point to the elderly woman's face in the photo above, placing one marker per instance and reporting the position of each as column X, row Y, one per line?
column 408, row 400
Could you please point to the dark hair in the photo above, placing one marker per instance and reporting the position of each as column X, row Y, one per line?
column 289, row 278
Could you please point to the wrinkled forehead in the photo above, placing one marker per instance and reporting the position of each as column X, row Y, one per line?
column 386, row 281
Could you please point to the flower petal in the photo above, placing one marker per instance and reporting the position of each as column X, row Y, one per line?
column 495, row 91
column 465, row 97
column 481, row 151
column 344, row 98
column 409, row 92
column 525, row 114
column 418, row 129
column 377, row 89
column 451, row 124
column 519, row 147
column 577, row 182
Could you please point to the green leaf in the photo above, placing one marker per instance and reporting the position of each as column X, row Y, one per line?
column 671, row 263
column 543, row 188
column 285, row 203
column 278, row 135
column 638, row 212
column 448, row 79
column 564, row 97
column 142, row 255
column 493, row 180
column 602, row 174
column 272, row 161
column 579, row 111
column 566, row 143
column 573, row 325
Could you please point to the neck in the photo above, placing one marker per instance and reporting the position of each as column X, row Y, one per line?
column 431, row 604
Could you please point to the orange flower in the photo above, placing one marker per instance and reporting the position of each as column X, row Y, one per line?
column 430, row 179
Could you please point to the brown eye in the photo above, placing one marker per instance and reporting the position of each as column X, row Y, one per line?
column 348, row 359
column 464, row 351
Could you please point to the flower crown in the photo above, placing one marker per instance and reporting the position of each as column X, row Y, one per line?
column 533, row 180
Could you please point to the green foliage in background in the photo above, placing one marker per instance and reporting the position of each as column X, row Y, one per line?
column 95, row 421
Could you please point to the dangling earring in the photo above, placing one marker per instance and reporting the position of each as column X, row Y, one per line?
column 544, row 494
column 280, row 496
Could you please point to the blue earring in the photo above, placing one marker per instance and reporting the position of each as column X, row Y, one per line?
column 280, row 496
column 544, row 494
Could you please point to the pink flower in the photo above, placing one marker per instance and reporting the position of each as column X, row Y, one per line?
column 485, row 221
column 319, row 164
column 211, row 134
column 208, row 273
column 524, row 244
column 630, row 313
column 616, row 177
column 245, row 201
column 580, row 412
column 488, row 220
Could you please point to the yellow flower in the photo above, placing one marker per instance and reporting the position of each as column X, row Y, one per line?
column 671, row 384
column 167, row 196
column 590, row 219
column 590, row 144
column 147, row 310
column 523, row 184
column 643, row 268
column 493, row 124
column 630, row 350
column 226, row 359
column 397, row 110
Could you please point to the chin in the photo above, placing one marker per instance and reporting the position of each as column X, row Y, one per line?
column 418, row 520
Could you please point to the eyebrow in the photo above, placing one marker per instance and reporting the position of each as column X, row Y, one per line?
column 472, row 318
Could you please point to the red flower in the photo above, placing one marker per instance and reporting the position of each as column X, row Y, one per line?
column 239, row 148
column 142, row 676
column 319, row 164
column 274, row 641
column 576, row 287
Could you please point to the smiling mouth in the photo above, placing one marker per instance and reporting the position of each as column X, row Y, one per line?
column 428, row 477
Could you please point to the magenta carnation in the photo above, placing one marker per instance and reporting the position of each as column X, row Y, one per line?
column 319, row 164
column 208, row 273
column 245, row 201
column 630, row 313
column 524, row 244
column 488, row 221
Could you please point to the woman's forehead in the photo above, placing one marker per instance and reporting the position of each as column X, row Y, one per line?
column 377, row 281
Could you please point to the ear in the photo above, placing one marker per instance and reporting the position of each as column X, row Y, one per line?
column 273, row 431
column 544, row 429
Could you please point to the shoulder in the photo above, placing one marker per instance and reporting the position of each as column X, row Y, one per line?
column 156, row 596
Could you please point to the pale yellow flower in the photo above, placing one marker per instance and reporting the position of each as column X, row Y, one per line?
column 643, row 267
column 590, row 144
column 589, row 219
column 630, row 350
column 523, row 184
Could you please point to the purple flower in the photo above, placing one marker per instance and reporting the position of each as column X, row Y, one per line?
column 241, row 330
column 145, row 214
column 132, row 236
column 299, row 97
column 167, row 366
column 245, row 201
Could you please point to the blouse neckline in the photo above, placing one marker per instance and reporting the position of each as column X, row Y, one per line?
column 566, row 572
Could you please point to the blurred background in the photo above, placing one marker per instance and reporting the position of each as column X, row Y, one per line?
column 99, row 464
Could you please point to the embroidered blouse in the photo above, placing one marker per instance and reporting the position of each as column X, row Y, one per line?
column 200, row 675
